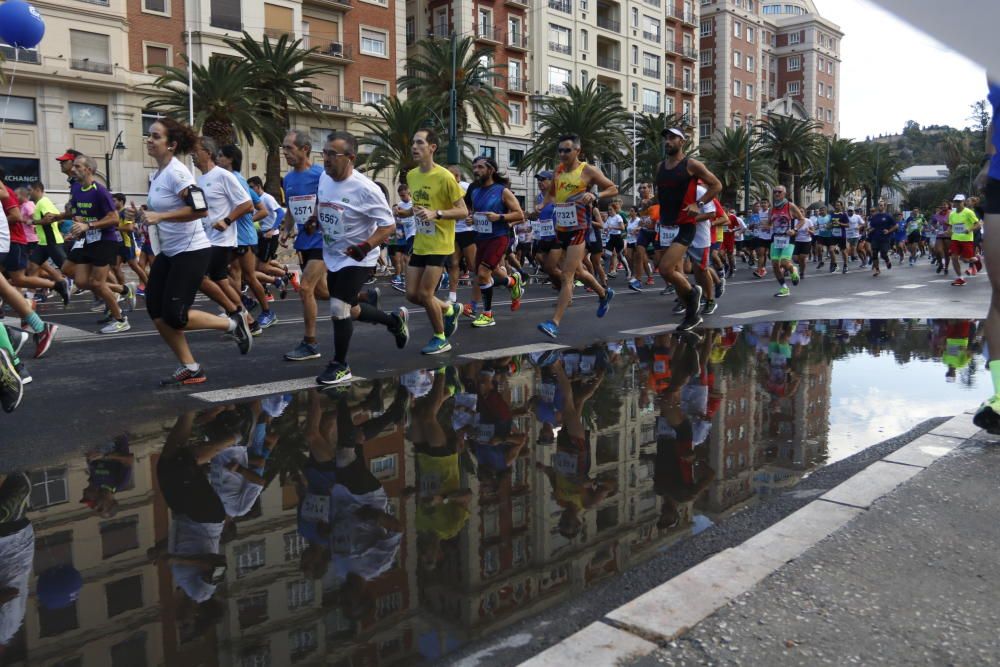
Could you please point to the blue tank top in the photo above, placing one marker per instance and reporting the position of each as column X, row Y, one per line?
column 489, row 200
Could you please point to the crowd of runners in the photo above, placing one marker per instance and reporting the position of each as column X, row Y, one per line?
column 219, row 234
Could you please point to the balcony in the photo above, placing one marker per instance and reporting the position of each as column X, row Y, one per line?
column 652, row 3
column 489, row 33
column 651, row 36
column 688, row 52
column 441, row 30
column 687, row 86
column 335, row 52
column 30, row 56
column 672, row 82
column 341, row 5
column 560, row 48
column 561, row 6
column 648, row 71
column 557, row 88
column 609, row 24
column 609, row 62
column 517, row 85
column 333, row 104
column 517, row 40
column 88, row 65
column 651, row 108
column 411, row 38
column 679, row 13
column 523, row 4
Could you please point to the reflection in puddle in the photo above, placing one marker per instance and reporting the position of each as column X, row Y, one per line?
column 393, row 521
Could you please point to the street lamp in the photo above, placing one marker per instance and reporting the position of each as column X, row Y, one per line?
column 746, row 165
column 119, row 146
column 452, row 107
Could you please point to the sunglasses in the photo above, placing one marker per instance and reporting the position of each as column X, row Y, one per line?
column 564, row 150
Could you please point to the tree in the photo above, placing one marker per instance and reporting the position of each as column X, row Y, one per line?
column 845, row 157
column 389, row 136
column 790, row 144
column 649, row 146
column 593, row 113
column 979, row 114
column 878, row 170
column 429, row 76
column 226, row 103
column 725, row 156
column 283, row 81
column 927, row 197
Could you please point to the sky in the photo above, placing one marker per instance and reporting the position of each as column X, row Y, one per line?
column 891, row 72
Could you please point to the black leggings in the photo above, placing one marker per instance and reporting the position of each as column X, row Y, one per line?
column 173, row 283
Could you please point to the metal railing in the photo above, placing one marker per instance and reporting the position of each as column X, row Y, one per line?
column 649, row 71
column 30, row 56
column 561, row 6
column 651, row 108
column 684, row 51
column 609, row 24
column 654, row 3
column 557, row 89
column 517, row 84
column 651, row 36
column 489, row 32
column 608, row 62
column 87, row 65
column 336, row 50
column 517, row 40
column 440, row 30
column 559, row 48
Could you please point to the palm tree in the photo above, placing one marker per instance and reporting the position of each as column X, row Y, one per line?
column 389, row 135
column 649, row 145
column 593, row 113
column 845, row 156
column 283, row 82
column 226, row 102
column 725, row 156
column 429, row 77
column 790, row 145
column 878, row 170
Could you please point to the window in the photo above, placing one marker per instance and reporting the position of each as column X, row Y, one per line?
column 373, row 92
column 688, row 79
column 300, row 593
column 515, row 35
column 793, row 64
column 750, row 34
column 278, row 21
column 158, row 6
column 514, row 157
column 705, row 57
column 635, row 17
column 819, row 113
column 749, row 91
column 584, row 78
column 252, row 610
column 819, row 64
column 411, row 30
column 829, row 67
column 794, row 87
column 822, row 39
column 558, row 78
column 20, row 109
column 650, row 28
column 488, row 151
column 89, row 51
column 737, row 88
column 583, row 5
column 226, row 14
column 650, row 64
column 829, row 115
column 302, row 642
column 132, row 651
column 123, row 595
column 795, row 38
column 829, row 92
column 485, row 23
column 584, row 40
column 705, row 87
column 373, row 42
column 54, row 622
column 559, row 39
column 650, row 101
column 705, row 127
column 48, row 486
column 738, row 29
column 750, row 63
column 668, row 104
column 249, row 557
column 669, row 67
column 819, row 89
column 119, row 536
column 294, row 543
column 635, row 55
column 635, row 92
column 737, row 59
column 737, row 123
column 156, row 57
column 706, row 28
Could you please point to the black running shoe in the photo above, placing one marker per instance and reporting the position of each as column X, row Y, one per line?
column 11, row 386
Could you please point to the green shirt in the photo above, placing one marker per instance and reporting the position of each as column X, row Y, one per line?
column 43, row 207
column 961, row 223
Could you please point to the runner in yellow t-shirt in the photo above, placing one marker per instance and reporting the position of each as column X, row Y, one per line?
column 437, row 203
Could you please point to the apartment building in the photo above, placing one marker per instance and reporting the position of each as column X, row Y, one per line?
column 78, row 88
column 758, row 57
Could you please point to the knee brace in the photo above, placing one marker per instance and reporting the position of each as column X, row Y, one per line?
column 175, row 314
column 339, row 310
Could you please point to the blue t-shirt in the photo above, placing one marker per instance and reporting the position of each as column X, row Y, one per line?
column 246, row 232
column 489, row 200
column 302, row 184
column 994, row 98
column 880, row 224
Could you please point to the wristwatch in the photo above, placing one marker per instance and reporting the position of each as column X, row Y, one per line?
column 438, row 215
column 227, row 221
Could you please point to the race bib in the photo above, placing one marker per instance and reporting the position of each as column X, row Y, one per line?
column 482, row 223
column 668, row 234
column 546, row 228
column 425, row 227
column 955, row 229
column 780, row 242
column 331, row 221
column 932, row 238
column 565, row 216
column 430, row 483
column 660, row 366
column 484, row 432
column 93, row 235
column 546, row 392
column 302, row 207
column 316, row 508
column 836, row 231
column 79, row 244
column 565, row 464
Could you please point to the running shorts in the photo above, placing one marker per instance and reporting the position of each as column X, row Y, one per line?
column 615, row 242
column 490, row 252
column 218, row 266
column 803, row 247
column 99, row 253
column 345, row 283
column 779, row 254
column 964, row 249
column 421, row 261
column 464, row 239
column 571, row 238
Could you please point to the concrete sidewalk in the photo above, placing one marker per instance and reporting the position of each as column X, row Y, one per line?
column 898, row 565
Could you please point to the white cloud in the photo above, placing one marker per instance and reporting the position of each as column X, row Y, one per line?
column 891, row 73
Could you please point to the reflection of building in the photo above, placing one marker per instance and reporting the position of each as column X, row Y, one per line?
column 732, row 442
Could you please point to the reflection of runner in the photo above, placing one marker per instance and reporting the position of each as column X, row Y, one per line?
column 956, row 347
column 107, row 472
column 988, row 414
column 17, row 553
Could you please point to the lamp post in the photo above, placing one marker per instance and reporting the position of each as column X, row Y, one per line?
column 746, row 165
column 119, row 146
column 452, row 107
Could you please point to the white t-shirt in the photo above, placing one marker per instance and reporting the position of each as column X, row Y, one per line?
column 805, row 232
column 165, row 187
column 188, row 537
column 17, row 553
column 614, row 225
column 223, row 193
column 272, row 206
column 349, row 211
column 4, row 232
column 634, row 225
column 854, row 224
column 236, row 492
column 703, row 230
column 406, row 226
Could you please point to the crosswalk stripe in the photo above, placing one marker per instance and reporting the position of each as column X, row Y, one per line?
column 870, row 293
column 256, row 390
column 512, row 351
column 751, row 314
column 649, row 331
column 910, row 286
column 819, row 302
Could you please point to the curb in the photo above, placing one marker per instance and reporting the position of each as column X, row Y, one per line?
column 637, row 628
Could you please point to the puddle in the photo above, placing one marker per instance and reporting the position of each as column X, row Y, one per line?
column 394, row 521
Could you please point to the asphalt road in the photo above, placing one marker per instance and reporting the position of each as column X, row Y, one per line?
column 90, row 386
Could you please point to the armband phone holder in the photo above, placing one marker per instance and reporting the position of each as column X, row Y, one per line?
column 196, row 199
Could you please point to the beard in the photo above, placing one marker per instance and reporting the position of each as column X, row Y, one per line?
column 672, row 151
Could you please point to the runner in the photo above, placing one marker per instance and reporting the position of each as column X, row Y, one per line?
column 804, row 242
column 465, row 248
column 300, row 186
column 548, row 252
column 268, row 271
column 915, row 225
column 354, row 220
column 183, row 251
column 963, row 222
column 780, row 224
column 681, row 207
column 762, row 239
column 438, row 202
column 614, row 227
column 649, row 216
column 852, row 232
column 570, row 192
column 882, row 230
column 401, row 245
column 50, row 241
column 128, row 247
column 495, row 210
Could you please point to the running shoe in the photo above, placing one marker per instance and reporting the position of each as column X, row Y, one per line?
column 988, row 415
column 833, row 267
column 335, row 373
column 760, row 273
column 255, row 329
column 267, row 319
column 140, row 291
column 402, row 333
column 784, row 291
column 445, row 281
column 370, row 281
column 795, row 277
column 400, row 286
column 694, row 300
column 451, row 321
column 888, row 263
column 577, row 283
column 282, row 288
column 11, row 386
column 62, row 289
column 635, row 285
column 18, row 337
column 22, row 370
column 650, row 281
column 720, row 288
column 668, row 290
column 709, row 307
column 971, row 271
column 304, row 352
column 130, row 296
column 43, row 340
column 821, row 265
column 268, row 297
column 484, row 320
column 241, row 334
column 549, row 328
column 612, row 274
column 248, row 303
column 116, row 326
column 469, row 311
column 293, row 279
column 182, row 376
column 516, row 292
column 958, row 282
column 605, row 304
column 374, row 296
column 436, row 346
column 689, row 322
column 844, row 271
column 679, row 308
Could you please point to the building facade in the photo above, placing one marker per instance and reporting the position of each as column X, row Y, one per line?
column 756, row 54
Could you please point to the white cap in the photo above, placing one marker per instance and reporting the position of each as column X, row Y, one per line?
column 958, row 198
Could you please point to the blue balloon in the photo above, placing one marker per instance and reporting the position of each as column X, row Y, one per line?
column 20, row 24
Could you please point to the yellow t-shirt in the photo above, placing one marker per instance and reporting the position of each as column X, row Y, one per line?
column 436, row 190
column 961, row 224
column 43, row 207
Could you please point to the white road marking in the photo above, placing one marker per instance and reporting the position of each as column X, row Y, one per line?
column 511, row 351
column 819, row 302
column 649, row 331
column 255, row 390
column 910, row 286
column 942, row 280
column 65, row 333
column 752, row 313
column 870, row 293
